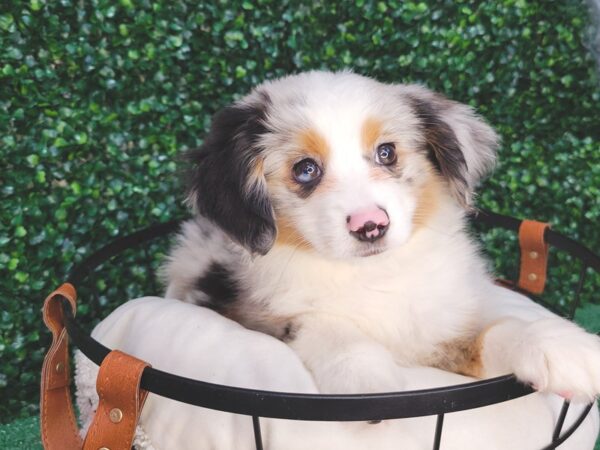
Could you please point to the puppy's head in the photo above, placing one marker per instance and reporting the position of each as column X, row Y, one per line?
column 338, row 163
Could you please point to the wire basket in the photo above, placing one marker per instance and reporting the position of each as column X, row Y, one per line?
column 312, row 407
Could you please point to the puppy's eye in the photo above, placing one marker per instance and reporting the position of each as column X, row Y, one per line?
column 306, row 171
column 385, row 154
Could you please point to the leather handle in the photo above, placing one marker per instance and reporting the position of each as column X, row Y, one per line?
column 121, row 402
column 57, row 420
column 118, row 386
column 534, row 256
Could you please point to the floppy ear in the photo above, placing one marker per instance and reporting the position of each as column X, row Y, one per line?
column 226, row 183
column 459, row 143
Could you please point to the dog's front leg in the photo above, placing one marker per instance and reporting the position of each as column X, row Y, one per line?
column 540, row 348
column 344, row 360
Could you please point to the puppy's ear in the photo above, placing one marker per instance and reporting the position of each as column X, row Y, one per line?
column 226, row 183
column 459, row 143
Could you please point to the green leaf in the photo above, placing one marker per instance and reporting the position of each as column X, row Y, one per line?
column 36, row 5
column 81, row 138
column 6, row 21
column 21, row 277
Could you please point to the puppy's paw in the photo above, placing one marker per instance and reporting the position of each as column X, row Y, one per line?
column 557, row 356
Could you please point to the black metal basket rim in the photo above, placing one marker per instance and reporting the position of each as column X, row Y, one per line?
column 318, row 407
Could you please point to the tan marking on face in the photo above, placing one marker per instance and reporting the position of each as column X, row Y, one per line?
column 256, row 175
column 428, row 199
column 283, row 178
column 370, row 133
column 288, row 234
column 314, row 145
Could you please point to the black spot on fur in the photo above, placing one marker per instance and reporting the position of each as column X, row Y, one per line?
column 289, row 332
column 442, row 146
column 219, row 285
column 220, row 178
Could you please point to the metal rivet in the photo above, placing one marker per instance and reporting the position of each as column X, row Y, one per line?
column 532, row 277
column 115, row 415
column 534, row 255
column 60, row 367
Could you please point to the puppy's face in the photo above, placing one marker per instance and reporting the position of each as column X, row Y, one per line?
column 346, row 177
column 337, row 163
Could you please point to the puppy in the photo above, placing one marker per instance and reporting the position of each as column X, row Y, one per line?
column 331, row 215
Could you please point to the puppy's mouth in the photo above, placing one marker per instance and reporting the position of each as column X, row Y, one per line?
column 370, row 250
column 371, row 237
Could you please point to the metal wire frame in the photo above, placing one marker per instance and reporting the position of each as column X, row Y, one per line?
column 359, row 407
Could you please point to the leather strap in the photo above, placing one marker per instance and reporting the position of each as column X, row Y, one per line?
column 534, row 256
column 57, row 420
column 121, row 401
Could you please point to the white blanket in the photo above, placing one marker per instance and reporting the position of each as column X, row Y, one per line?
column 195, row 342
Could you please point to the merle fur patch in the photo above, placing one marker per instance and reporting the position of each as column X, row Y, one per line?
column 442, row 146
column 220, row 183
column 219, row 286
column 289, row 332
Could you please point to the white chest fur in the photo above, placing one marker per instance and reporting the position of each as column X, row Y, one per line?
column 411, row 299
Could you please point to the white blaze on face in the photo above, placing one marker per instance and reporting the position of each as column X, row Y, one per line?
column 352, row 188
column 352, row 181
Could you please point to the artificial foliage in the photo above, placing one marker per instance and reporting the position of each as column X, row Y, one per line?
column 98, row 99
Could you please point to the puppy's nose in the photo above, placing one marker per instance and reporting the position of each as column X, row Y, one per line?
column 368, row 224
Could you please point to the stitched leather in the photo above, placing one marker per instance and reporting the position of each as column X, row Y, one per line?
column 534, row 256
column 117, row 385
column 121, row 401
column 57, row 419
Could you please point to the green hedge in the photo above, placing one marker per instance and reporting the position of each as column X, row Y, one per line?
column 98, row 98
